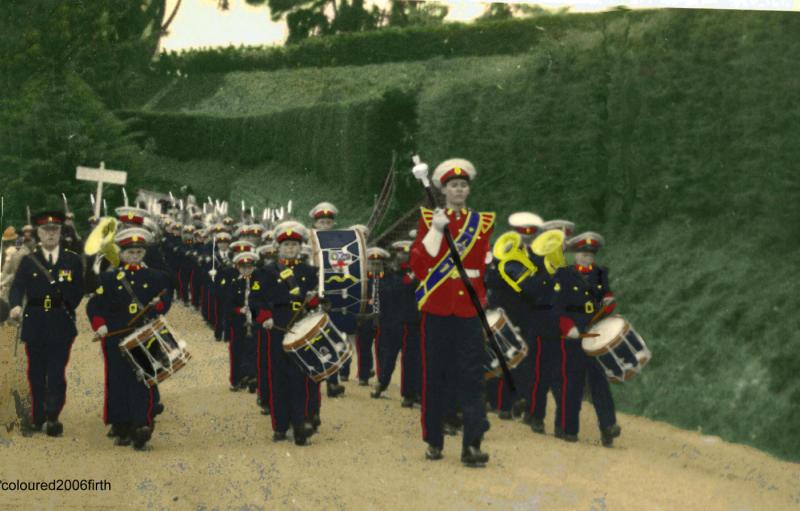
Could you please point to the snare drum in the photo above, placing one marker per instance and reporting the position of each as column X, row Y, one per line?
column 154, row 352
column 317, row 346
column 619, row 350
column 508, row 338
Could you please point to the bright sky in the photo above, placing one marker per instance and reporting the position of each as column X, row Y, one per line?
column 200, row 23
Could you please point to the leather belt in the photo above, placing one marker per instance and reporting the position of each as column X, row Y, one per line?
column 47, row 302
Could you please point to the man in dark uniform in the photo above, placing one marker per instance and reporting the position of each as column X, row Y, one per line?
column 290, row 287
column 242, row 292
column 49, row 285
column 453, row 348
column 585, row 247
column 129, row 405
column 323, row 216
column 184, row 260
column 222, row 263
column 577, row 306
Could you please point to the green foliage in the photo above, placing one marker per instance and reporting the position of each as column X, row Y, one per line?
column 53, row 125
column 385, row 45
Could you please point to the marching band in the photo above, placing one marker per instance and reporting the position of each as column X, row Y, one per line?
column 478, row 326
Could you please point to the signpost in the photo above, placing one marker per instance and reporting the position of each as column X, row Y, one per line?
column 101, row 176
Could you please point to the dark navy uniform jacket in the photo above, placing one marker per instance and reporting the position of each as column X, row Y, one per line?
column 114, row 307
column 279, row 300
column 575, row 301
column 50, row 309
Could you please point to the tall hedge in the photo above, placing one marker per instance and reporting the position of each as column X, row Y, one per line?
column 385, row 45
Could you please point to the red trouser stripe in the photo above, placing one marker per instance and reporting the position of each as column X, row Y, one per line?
column 564, row 385
column 69, row 353
column 150, row 407
column 30, row 385
column 358, row 352
column 499, row 393
column 403, row 362
column 271, row 386
column 424, row 377
column 536, row 372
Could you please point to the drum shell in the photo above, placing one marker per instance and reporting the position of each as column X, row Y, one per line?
column 306, row 349
column 342, row 255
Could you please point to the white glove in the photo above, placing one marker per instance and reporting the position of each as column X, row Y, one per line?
column 268, row 324
column 212, row 273
column 102, row 331
column 420, row 171
column 15, row 313
column 440, row 219
column 155, row 300
column 608, row 300
column 573, row 333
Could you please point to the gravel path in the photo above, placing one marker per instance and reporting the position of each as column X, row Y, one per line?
column 212, row 449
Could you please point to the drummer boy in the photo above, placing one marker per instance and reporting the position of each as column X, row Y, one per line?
column 583, row 291
column 289, row 291
column 115, row 310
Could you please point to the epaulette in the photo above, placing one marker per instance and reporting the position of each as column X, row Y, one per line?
column 487, row 221
column 427, row 216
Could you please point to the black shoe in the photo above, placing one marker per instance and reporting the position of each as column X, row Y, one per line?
column 363, row 383
column 140, row 436
column 233, row 388
column 53, row 428
column 335, row 390
column 570, row 438
column 252, row 385
column 558, row 432
column 265, row 410
column 433, row 453
column 472, row 456
column 407, row 402
column 377, row 391
column 449, row 429
column 300, row 440
column 124, row 437
column 35, row 428
column 243, row 383
column 608, row 435
column 158, row 409
column 537, row 425
column 344, row 377
column 504, row 415
column 315, row 421
column 279, row 436
column 115, row 431
column 527, row 418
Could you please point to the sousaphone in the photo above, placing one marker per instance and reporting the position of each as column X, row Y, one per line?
column 101, row 242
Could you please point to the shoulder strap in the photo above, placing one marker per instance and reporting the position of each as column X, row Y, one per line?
column 42, row 268
column 128, row 288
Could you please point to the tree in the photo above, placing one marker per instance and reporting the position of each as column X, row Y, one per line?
column 496, row 11
column 403, row 13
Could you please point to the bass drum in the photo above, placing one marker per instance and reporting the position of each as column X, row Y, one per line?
column 341, row 259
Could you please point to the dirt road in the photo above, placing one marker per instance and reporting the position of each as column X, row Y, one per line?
column 212, row 449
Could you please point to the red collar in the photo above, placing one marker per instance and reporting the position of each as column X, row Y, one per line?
column 374, row 276
column 133, row 267
column 289, row 262
column 584, row 269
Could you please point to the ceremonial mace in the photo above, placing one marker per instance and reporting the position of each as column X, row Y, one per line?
column 422, row 176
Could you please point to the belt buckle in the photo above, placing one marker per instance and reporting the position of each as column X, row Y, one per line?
column 296, row 306
column 588, row 307
column 133, row 308
column 47, row 303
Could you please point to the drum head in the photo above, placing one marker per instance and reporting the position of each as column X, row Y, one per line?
column 611, row 331
column 495, row 318
column 304, row 329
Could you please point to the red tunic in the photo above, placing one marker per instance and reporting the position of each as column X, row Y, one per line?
column 451, row 297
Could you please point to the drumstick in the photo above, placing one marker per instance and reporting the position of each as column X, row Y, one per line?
column 284, row 330
column 589, row 334
column 149, row 306
column 111, row 334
